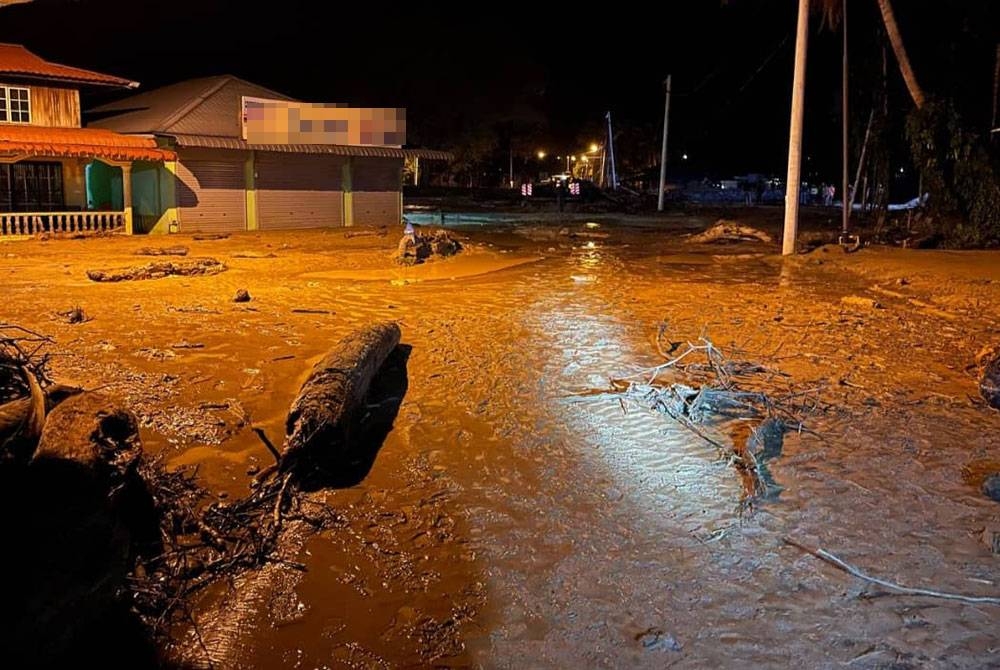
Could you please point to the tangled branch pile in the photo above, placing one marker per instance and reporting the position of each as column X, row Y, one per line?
column 705, row 391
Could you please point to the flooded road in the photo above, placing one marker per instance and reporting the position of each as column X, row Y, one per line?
column 519, row 514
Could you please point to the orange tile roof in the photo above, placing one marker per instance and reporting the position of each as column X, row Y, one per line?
column 17, row 140
column 16, row 60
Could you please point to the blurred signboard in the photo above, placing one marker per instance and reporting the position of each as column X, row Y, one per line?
column 268, row 121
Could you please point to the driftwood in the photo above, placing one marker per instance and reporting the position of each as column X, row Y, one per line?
column 317, row 425
column 839, row 563
column 161, row 251
column 254, row 254
column 381, row 231
column 158, row 270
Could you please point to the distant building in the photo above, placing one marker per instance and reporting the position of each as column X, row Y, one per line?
column 55, row 175
column 221, row 183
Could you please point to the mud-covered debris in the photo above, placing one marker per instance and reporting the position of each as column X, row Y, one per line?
column 989, row 383
column 184, row 344
column 444, row 245
column 860, row 301
column 991, row 538
column 242, row 295
column 158, row 270
column 201, row 237
column 654, row 639
column 161, row 251
column 417, row 247
column 729, row 232
column 74, row 315
column 991, row 486
column 766, row 441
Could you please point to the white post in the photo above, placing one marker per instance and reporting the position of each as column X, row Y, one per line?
column 845, row 214
column 127, row 196
column 663, row 152
column 794, row 180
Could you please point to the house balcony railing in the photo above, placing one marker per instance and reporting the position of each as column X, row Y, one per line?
column 33, row 223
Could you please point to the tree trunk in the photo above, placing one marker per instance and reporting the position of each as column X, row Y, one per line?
column 318, row 422
column 794, row 180
column 896, row 40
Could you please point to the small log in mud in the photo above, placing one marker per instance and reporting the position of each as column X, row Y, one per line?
column 158, row 270
column 380, row 231
column 161, row 251
column 318, row 422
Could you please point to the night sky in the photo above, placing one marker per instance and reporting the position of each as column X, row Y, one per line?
column 460, row 67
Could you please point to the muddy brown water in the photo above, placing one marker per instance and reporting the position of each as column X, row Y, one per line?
column 516, row 516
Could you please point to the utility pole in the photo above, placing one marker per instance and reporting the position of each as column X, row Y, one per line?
column 663, row 152
column 612, row 174
column 845, row 209
column 510, row 167
column 794, row 180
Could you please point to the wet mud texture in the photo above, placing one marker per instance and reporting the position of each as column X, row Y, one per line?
column 515, row 516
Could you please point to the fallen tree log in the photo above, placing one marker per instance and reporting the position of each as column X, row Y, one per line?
column 317, row 426
column 161, row 251
column 84, row 514
column 158, row 270
column 23, row 419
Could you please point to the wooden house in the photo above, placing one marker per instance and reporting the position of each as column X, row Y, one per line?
column 56, row 176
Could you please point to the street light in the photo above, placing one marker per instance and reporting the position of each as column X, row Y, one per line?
column 594, row 147
column 541, row 155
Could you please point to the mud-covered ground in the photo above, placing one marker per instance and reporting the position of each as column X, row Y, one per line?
column 518, row 515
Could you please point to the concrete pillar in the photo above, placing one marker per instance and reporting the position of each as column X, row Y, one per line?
column 347, row 182
column 250, row 175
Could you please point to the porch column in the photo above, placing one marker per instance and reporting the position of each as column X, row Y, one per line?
column 348, row 186
column 127, row 196
column 250, row 180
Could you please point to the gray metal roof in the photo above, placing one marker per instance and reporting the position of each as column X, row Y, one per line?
column 206, row 106
column 206, row 113
column 214, row 142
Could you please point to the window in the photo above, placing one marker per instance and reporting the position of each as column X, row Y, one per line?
column 31, row 187
column 15, row 104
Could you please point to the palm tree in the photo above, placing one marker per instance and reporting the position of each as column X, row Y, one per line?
column 898, row 48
